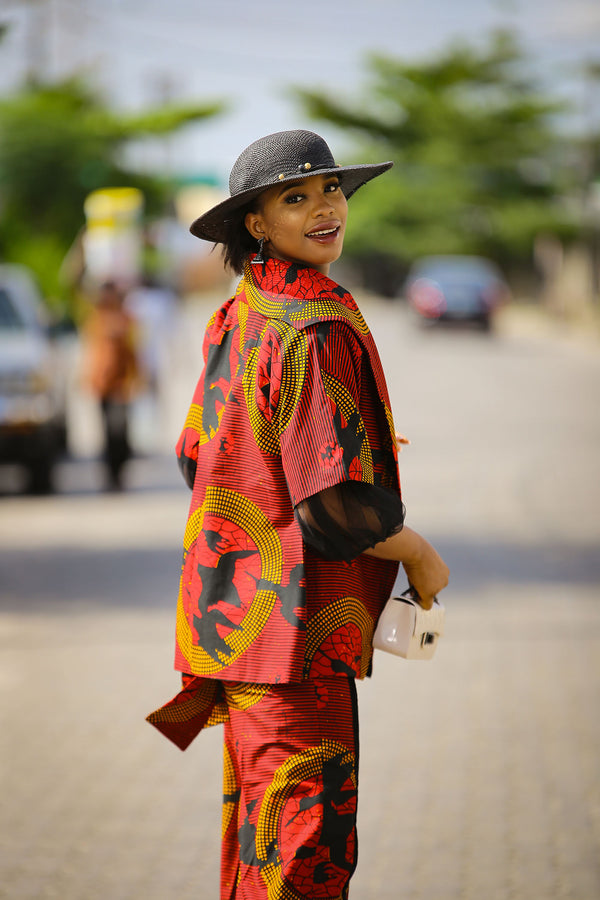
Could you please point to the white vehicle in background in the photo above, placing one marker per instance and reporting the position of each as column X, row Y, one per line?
column 32, row 381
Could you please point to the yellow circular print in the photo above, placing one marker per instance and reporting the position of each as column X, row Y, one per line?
column 231, row 551
column 312, row 798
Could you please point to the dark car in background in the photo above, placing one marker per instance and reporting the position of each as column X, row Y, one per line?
column 456, row 288
column 32, row 381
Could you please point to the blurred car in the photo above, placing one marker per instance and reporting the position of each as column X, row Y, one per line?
column 458, row 288
column 32, row 381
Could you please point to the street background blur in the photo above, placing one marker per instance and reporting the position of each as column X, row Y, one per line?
column 476, row 262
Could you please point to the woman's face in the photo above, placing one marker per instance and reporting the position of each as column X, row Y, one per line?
column 302, row 221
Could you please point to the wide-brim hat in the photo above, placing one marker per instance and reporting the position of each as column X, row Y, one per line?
column 276, row 159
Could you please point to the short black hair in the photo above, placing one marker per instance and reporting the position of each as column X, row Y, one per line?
column 238, row 243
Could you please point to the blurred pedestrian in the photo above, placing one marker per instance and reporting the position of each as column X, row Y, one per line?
column 295, row 529
column 111, row 374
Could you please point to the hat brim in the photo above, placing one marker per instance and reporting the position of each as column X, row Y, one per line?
column 211, row 226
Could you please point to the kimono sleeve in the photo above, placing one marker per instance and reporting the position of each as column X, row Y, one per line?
column 322, row 435
column 189, row 440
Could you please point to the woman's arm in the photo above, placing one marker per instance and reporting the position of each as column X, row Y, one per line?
column 351, row 518
column 426, row 570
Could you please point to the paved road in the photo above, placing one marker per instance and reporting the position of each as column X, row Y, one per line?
column 479, row 771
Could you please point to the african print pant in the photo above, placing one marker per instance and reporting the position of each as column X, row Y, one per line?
column 290, row 790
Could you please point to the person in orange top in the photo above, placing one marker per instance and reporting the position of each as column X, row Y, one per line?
column 111, row 373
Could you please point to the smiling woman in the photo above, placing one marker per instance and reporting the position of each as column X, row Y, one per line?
column 295, row 529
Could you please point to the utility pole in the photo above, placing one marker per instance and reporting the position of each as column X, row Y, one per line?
column 37, row 55
column 591, row 171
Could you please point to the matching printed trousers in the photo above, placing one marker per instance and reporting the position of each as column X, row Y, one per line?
column 290, row 790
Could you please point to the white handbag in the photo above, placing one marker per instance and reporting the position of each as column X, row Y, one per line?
column 405, row 629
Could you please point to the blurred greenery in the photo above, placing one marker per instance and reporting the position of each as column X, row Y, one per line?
column 480, row 164
column 58, row 142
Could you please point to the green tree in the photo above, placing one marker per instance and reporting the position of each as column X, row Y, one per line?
column 58, row 142
column 477, row 157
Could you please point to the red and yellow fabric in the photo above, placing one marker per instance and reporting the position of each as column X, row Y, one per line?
column 292, row 400
column 290, row 780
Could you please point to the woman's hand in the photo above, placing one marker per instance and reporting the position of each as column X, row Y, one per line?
column 428, row 575
column 401, row 441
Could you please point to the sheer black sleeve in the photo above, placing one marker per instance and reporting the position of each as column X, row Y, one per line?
column 187, row 468
column 342, row 521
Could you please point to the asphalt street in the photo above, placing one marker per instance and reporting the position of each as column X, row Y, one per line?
column 479, row 770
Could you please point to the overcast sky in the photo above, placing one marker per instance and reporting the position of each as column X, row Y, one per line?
column 248, row 51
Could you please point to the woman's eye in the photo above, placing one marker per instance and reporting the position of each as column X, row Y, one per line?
column 294, row 198
column 330, row 188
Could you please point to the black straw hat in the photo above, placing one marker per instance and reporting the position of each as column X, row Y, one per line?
column 276, row 159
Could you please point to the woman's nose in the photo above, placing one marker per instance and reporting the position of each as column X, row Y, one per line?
column 323, row 206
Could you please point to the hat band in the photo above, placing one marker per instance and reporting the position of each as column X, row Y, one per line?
column 305, row 168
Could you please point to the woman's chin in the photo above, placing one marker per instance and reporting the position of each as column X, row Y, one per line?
column 322, row 257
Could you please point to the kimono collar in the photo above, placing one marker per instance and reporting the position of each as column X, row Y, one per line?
column 298, row 294
column 279, row 276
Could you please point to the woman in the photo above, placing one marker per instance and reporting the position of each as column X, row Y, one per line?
column 295, row 528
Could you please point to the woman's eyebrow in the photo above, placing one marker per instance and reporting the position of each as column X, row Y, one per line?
column 289, row 185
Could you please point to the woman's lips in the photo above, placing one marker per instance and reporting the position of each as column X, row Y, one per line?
column 325, row 233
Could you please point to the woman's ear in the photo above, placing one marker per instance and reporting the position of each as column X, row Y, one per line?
column 254, row 224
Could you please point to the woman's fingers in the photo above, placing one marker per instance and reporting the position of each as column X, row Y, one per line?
column 401, row 441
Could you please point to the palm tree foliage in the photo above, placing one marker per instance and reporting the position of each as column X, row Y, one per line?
column 476, row 151
column 58, row 142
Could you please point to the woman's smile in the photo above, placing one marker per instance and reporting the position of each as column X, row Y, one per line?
column 325, row 233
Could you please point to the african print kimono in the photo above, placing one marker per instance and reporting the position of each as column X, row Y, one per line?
column 292, row 400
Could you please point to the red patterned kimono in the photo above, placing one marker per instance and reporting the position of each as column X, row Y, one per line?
column 292, row 400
